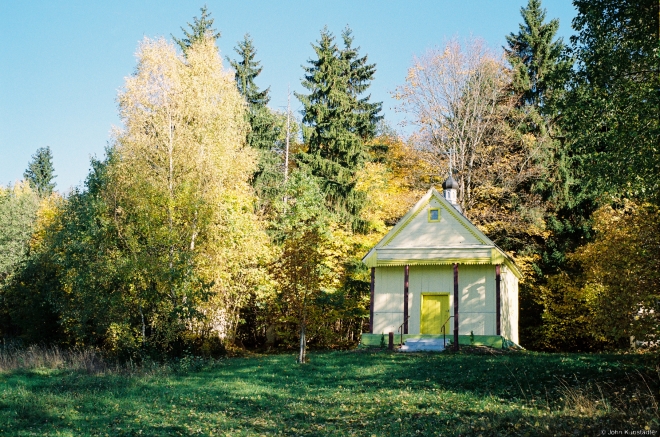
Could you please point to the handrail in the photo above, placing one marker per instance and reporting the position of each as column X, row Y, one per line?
column 444, row 332
column 400, row 329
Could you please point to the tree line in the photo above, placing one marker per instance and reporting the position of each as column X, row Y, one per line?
column 214, row 221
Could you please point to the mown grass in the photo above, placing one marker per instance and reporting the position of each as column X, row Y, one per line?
column 359, row 392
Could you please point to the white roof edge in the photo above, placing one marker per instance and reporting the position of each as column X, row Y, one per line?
column 432, row 192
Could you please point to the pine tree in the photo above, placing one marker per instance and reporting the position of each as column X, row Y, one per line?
column 40, row 172
column 247, row 69
column 200, row 28
column 338, row 121
column 533, row 54
column 264, row 129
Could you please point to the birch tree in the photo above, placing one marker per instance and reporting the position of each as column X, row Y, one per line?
column 183, row 201
column 454, row 97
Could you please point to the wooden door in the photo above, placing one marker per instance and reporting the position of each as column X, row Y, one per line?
column 435, row 310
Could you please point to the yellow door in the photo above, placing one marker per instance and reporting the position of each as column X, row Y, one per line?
column 435, row 310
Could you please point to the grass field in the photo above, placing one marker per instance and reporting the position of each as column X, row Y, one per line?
column 362, row 392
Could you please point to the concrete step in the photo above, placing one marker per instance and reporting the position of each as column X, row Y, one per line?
column 422, row 344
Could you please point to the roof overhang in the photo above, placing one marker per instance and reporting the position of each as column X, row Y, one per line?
column 486, row 255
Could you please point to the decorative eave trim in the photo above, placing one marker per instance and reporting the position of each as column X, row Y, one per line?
column 433, row 262
column 371, row 259
column 513, row 267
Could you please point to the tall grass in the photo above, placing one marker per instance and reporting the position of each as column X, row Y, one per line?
column 13, row 357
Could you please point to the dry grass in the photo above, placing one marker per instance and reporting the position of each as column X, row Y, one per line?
column 631, row 396
column 585, row 400
column 41, row 357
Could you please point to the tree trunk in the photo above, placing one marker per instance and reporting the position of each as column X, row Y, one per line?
column 301, row 357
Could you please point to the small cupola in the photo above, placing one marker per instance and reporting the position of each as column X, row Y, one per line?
column 450, row 190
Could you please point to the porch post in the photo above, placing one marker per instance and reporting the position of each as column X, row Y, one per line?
column 456, row 306
column 498, row 302
column 406, row 282
column 372, row 287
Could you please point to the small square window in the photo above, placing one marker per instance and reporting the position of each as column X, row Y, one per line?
column 434, row 215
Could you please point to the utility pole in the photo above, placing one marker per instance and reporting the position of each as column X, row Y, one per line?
column 288, row 132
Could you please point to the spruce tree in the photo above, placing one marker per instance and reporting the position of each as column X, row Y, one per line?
column 199, row 29
column 534, row 54
column 40, row 172
column 338, row 121
column 264, row 129
column 247, row 69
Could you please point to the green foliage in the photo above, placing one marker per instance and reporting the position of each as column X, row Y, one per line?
column 338, row 121
column 320, row 281
column 303, row 270
column 563, row 205
column 611, row 113
column 40, row 172
column 533, row 54
column 340, row 393
column 246, row 71
column 199, row 29
column 267, row 128
column 18, row 213
column 608, row 291
column 605, row 121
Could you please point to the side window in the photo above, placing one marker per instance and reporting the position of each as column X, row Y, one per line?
column 434, row 215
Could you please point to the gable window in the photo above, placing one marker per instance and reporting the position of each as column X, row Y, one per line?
column 434, row 215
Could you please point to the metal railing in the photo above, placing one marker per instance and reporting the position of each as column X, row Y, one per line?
column 401, row 330
column 444, row 333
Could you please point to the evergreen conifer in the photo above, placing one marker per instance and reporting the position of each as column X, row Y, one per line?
column 200, row 28
column 247, row 69
column 338, row 121
column 264, row 129
column 534, row 53
column 40, row 172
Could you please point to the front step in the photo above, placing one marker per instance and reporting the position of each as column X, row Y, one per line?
column 423, row 345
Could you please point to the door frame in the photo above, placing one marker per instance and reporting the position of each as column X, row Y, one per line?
column 421, row 305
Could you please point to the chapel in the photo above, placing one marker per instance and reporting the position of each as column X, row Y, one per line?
column 435, row 275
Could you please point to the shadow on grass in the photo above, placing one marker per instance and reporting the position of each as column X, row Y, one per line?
column 337, row 393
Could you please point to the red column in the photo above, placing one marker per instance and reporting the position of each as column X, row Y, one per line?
column 455, row 306
column 406, row 282
column 371, row 301
column 498, row 302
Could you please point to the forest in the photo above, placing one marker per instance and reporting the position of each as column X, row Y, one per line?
column 217, row 223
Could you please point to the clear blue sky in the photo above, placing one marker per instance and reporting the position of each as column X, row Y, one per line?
column 63, row 61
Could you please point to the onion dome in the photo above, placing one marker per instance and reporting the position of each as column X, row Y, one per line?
column 450, row 184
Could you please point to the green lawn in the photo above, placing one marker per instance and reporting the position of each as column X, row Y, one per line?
column 363, row 392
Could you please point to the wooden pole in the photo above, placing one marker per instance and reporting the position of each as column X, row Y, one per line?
column 288, row 133
column 406, row 283
column 371, row 302
column 455, row 306
column 498, row 302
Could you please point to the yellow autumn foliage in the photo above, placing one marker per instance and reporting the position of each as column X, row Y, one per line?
column 181, row 185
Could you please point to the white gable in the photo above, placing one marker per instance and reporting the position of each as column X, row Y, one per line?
column 449, row 237
column 449, row 231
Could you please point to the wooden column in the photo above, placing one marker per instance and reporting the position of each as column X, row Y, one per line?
column 498, row 301
column 455, row 306
column 406, row 283
column 372, row 288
